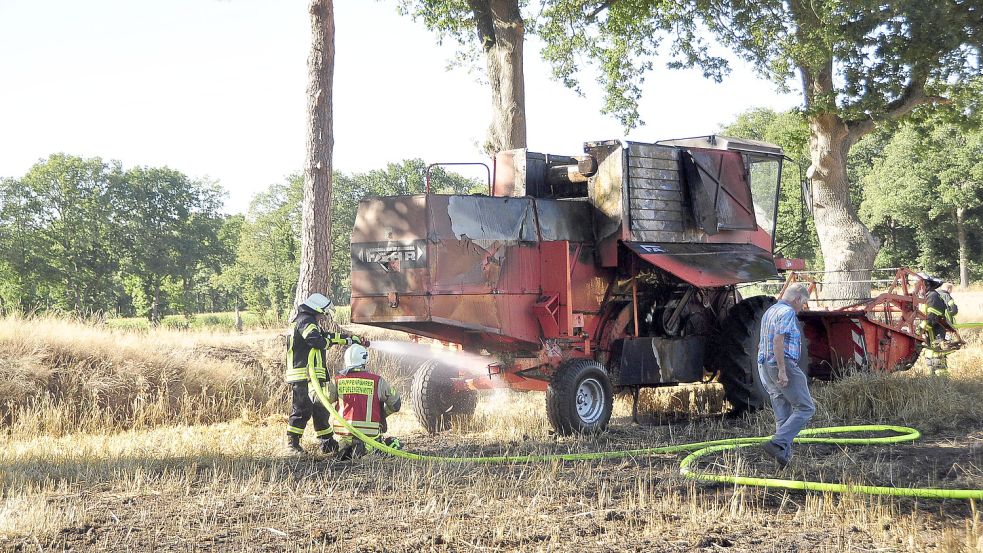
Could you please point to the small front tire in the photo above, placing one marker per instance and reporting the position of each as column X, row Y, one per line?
column 579, row 398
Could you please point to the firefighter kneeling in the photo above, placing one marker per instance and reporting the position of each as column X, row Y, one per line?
column 365, row 399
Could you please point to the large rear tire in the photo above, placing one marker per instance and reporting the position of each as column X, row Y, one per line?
column 737, row 354
column 435, row 402
column 579, row 398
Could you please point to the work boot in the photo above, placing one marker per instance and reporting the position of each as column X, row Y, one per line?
column 776, row 453
column 393, row 442
column 351, row 451
column 293, row 444
column 328, row 445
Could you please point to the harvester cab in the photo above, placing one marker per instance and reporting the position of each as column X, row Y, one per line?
column 579, row 275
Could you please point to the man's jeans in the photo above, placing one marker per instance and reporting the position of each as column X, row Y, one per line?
column 792, row 404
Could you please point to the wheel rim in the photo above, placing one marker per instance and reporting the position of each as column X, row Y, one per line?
column 590, row 400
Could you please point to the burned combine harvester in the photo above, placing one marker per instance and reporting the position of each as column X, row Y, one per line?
column 581, row 276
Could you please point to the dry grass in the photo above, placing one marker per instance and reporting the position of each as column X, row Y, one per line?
column 178, row 449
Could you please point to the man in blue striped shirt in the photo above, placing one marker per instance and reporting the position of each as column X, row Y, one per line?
column 779, row 351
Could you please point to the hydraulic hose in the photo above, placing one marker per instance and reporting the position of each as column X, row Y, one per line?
column 699, row 449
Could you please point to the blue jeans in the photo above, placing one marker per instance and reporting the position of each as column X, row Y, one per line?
column 792, row 404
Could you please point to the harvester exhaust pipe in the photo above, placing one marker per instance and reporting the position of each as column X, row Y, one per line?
column 572, row 173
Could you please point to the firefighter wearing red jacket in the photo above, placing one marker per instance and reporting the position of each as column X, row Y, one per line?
column 364, row 399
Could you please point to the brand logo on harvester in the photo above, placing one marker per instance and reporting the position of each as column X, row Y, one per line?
column 409, row 255
column 398, row 253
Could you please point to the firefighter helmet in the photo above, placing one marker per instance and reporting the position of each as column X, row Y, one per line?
column 356, row 356
column 930, row 281
column 318, row 302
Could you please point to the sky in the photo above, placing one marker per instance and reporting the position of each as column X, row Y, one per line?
column 216, row 89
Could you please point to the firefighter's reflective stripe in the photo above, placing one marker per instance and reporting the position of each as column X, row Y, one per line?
column 293, row 374
column 315, row 358
column 339, row 339
column 934, row 311
column 325, row 432
column 295, row 430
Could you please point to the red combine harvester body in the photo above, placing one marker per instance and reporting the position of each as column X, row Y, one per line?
column 580, row 276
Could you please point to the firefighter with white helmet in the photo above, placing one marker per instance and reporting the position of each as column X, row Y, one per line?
column 306, row 345
column 364, row 399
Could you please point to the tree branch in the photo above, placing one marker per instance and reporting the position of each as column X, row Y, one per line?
column 604, row 5
column 913, row 96
column 483, row 22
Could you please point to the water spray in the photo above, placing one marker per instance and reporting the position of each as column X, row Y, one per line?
column 471, row 363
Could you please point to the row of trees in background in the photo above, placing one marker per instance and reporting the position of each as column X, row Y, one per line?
column 90, row 237
column 85, row 235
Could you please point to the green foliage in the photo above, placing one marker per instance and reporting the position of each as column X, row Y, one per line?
column 878, row 53
column 219, row 322
column 927, row 171
column 85, row 236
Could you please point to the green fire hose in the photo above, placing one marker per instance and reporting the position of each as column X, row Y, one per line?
column 699, row 449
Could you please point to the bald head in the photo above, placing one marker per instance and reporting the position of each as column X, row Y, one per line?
column 946, row 287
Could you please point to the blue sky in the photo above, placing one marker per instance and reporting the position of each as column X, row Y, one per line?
column 216, row 89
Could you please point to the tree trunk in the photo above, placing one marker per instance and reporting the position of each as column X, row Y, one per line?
column 501, row 32
column 847, row 245
column 155, row 306
column 315, row 228
column 963, row 246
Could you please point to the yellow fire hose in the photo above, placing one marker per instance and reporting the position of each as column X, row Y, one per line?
column 699, row 449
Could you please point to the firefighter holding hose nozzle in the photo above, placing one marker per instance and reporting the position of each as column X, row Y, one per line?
column 364, row 399
column 306, row 345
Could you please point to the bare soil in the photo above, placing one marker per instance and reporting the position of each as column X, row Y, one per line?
column 385, row 504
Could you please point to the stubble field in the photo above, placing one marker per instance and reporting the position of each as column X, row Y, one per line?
column 171, row 441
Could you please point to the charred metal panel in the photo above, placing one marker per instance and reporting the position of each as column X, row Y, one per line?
column 657, row 202
column 483, row 218
column 472, row 237
column 709, row 265
column 655, row 361
column 565, row 220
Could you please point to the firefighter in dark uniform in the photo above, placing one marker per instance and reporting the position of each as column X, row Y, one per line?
column 937, row 322
column 306, row 345
column 364, row 399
